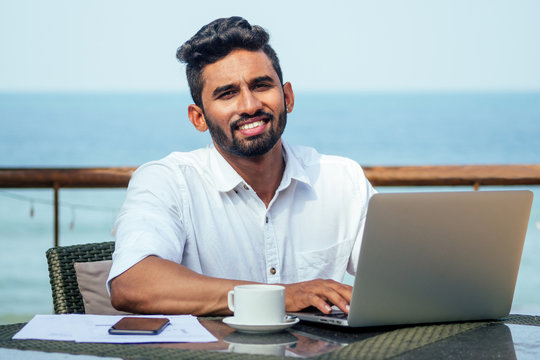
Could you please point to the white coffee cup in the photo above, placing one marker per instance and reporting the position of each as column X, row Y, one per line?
column 258, row 304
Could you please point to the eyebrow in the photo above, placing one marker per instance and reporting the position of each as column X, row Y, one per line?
column 221, row 89
column 262, row 79
column 227, row 87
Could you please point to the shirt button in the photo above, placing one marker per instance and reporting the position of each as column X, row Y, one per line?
column 267, row 219
column 246, row 187
column 273, row 271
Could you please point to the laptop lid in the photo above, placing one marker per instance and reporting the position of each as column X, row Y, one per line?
column 439, row 256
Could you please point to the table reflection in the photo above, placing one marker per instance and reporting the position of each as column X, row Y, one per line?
column 526, row 341
column 496, row 340
column 262, row 344
column 286, row 343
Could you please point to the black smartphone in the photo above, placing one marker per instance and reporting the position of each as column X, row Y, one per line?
column 139, row 326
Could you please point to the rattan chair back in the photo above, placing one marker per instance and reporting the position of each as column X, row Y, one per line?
column 67, row 298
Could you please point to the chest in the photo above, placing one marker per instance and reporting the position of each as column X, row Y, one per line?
column 300, row 220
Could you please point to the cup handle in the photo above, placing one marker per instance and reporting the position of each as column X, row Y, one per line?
column 230, row 300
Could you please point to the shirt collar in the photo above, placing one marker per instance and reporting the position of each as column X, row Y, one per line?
column 293, row 168
column 226, row 178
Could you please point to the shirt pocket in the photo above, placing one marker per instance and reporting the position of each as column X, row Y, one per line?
column 327, row 263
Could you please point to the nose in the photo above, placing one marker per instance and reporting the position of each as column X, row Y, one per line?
column 248, row 103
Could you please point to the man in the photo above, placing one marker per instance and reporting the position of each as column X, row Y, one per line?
column 248, row 208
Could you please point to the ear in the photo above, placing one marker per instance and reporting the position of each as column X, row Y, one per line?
column 196, row 116
column 289, row 96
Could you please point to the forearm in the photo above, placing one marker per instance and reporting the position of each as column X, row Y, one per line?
column 160, row 286
column 157, row 286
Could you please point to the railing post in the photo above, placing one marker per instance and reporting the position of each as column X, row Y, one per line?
column 56, row 214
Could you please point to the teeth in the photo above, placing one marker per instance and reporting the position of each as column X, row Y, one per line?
column 251, row 125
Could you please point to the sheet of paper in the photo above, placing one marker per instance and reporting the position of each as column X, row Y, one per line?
column 47, row 327
column 94, row 328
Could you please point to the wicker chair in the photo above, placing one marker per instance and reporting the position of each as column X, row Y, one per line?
column 67, row 298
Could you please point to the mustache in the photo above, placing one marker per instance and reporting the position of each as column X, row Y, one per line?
column 246, row 117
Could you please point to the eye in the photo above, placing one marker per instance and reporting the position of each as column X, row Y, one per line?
column 262, row 86
column 226, row 95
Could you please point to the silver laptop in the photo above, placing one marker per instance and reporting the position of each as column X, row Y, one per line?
column 436, row 257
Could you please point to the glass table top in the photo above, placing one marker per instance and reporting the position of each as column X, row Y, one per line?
column 518, row 337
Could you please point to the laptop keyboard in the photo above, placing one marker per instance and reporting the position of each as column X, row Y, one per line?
column 338, row 314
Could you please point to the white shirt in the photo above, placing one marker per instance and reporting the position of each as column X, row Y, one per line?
column 194, row 209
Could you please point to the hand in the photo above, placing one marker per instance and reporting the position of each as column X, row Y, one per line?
column 319, row 293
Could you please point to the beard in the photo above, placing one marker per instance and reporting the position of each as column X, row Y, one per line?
column 251, row 146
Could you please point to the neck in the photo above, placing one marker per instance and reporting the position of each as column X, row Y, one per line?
column 263, row 173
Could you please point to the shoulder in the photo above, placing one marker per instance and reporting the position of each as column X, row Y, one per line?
column 172, row 169
column 175, row 162
column 308, row 157
column 327, row 172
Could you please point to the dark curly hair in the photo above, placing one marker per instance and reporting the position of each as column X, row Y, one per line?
column 215, row 41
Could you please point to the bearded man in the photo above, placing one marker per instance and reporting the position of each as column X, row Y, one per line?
column 249, row 208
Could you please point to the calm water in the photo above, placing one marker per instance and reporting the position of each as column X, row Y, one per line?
column 129, row 129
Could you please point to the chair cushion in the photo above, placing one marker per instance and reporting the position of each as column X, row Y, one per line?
column 91, row 278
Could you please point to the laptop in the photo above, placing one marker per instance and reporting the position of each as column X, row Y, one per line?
column 436, row 257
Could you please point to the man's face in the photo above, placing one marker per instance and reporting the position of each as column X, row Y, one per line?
column 244, row 103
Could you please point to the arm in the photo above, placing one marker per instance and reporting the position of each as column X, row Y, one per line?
column 159, row 286
column 150, row 227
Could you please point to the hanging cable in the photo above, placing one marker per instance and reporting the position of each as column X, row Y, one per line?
column 33, row 200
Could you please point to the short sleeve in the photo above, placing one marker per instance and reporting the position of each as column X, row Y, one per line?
column 151, row 219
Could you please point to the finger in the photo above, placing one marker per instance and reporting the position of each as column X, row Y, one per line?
column 339, row 296
column 320, row 303
column 344, row 290
column 318, row 293
column 342, row 304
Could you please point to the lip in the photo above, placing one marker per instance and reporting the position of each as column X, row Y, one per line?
column 253, row 131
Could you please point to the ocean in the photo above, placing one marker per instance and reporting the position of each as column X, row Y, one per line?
column 102, row 129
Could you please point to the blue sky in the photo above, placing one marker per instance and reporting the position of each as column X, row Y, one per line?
column 385, row 45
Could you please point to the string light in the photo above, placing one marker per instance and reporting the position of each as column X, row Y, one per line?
column 31, row 208
column 73, row 206
column 72, row 223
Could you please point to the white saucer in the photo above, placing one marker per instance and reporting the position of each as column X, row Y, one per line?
column 262, row 328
